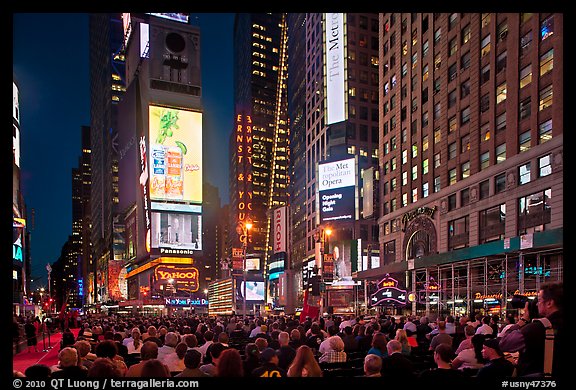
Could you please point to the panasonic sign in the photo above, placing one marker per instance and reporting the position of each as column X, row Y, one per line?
column 334, row 68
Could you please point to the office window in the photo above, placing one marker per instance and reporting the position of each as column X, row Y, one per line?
column 414, row 37
column 414, row 172
column 465, row 143
column 492, row 223
column 501, row 62
column 425, row 143
column 500, row 153
column 485, row 132
column 485, row 19
column 501, row 93
column 485, row 102
column 393, row 205
column 465, row 197
column 404, row 156
column 414, row 195
column 451, row 202
column 452, row 20
column 437, row 35
column 425, row 73
column 525, row 43
column 465, row 61
column 404, row 136
column 414, row 150
column 393, row 184
column 485, row 45
column 451, row 98
column 452, row 176
column 438, row 61
column 437, row 110
column 500, row 183
column 425, row 49
column 547, row 28
column 452, row 47
column 502, row 31
column 465, row 115
column 501, row 122
column 524, row 174
column 484, row 160
column 437, row 135
column 404, row 69
column 452, row 151
column 485, row 76
column 404, row 178
column 465, row 170
column 545, row 131
column 524, row 141
column 404, row 199
column 437, row 186
column 393, row 163
column 424, row 95
column 425, row 166
column 425, row 190
column 436, row 86
column 525, row 76
column 437, row 161
column 404, row 48
column 544, row 166
column 465, row 89
column 545, row 97
column 452, row 72
column 525, row 108
column 534, row 212
column 414, row 60
column 465, row 34
column 546, row 62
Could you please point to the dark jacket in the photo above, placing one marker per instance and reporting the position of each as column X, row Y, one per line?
column 397, row 366
column 497, row 368
column 269, row 370
column 71, row 372
column 286, row 355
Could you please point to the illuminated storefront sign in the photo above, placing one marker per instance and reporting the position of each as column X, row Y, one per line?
column 388, row 293
column 407, row 217
column 180, row 301
column 334, row 68
column 183, row 277
column 175, row 155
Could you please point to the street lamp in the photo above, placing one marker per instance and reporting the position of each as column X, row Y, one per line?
column 247, row 227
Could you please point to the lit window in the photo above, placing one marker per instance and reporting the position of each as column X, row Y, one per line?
column 525, row 76
column 404, row 178
column 437, row 186
column 425, row 190
column 425, row 166
column 414, row 172
column 544, row 166
column 500, row 153
column 501, row 93
column 465, row 169
column 414, row 195
column 452, row 176
column 547, row 28
column 546, row 62
column 545, row 131
column 484, row 160
column 545, row 97
column 524, row 174
column 485, row 45
column 485, row 19
column 404, row 199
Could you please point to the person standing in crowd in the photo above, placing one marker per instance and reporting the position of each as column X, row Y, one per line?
column 30, row 331
column 304, row 364
column 269, row 367
column 497, row 367
column 192, row 360
column 372, row 365
column 148, row 351
column 230, row 364
column 68, row 365
column 528, row 336
column 396, row 364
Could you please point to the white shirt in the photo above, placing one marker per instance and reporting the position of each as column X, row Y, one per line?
column 174, row 363
column 410, row 326
column 484, row 329
column 131, row 348
column 202, row 349
column 505, row 330
column 468, row 358
column 164, row 351
column 255, row 331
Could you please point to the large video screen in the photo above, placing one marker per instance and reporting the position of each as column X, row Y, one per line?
column 337, row 190
column 176, row 231
column 254, row 290
column 175, row 162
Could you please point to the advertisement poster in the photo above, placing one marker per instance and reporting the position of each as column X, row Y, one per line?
column 337, row 190
column 175, row 155
column 176, row 231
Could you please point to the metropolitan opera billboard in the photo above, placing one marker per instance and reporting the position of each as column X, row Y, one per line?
column 337, row 190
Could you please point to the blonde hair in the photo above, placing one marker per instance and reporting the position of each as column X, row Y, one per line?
column 401, row 336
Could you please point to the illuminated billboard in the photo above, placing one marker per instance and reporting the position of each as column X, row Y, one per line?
column 175, row 16
column 176, row 233
column 254, row 290
column 334, row 68
column 337, row 190
column 175, row 155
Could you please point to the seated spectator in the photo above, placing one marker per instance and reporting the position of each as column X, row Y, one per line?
column 251, row 358
column 67, row 339
column 104, row 368
column 485, row 327
column 38, row 371
column 379, row 342
column 402, row 337
column 214, row 354
column 372, row 365
column 269, row 367
column 304, row 364
column 350, row 342
column 175, row 361
column 396, row 364
column 285, row 352
column 169, row 347
column 68, row 365
column 107, row 349
column 192, row 360
column 135, row 342
column 470, row 358
column 444, row 372
column 86, row 357
column 148, row 351
column 497, row 367
column 295, row 338
column 154, row 368
column 335, row 353
column 469, row 332
column 261, row 343
column 441, row 338
column 230, row 364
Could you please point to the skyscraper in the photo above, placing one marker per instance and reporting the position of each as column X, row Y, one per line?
column 259, row 143
column 471, row 157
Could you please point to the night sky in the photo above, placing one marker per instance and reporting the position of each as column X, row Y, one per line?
column 50, row 63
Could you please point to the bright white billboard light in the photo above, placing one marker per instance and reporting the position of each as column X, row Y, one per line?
column 334, row 68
